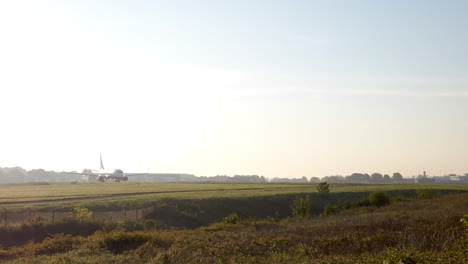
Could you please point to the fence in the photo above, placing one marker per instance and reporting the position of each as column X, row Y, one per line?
column 30, row 216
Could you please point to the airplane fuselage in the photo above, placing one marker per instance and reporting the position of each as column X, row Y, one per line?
column 115, row 175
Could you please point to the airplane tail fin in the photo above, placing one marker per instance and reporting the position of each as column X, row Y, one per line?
column 102, row 165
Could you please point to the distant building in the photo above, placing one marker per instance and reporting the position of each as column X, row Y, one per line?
column 425, row 180
column 454, row 177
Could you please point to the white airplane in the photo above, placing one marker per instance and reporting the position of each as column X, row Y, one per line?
column 102, row 175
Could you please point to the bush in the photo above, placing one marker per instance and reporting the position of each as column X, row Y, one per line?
column 150, row 224
column 132, row 225
column 323, row 188
column 231, row 219
column 426, row 194
column 57, row 244
column 38, row 220
column 330, row 209
column 464, row 220
column 119, row 241
column 379, row 198
column 301, row 207
column 82, row 214
column 356, row 204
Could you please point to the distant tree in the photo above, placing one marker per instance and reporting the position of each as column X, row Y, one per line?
column 358, row 178
column 376, row 177
column 397, row 177
column 334, row 179
column 323, row 188
column 386, row 178
column 301, row 207
column 314, row 179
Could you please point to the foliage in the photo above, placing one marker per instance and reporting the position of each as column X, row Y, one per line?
column 119, row 241
column 323, row 188
column 465, row 220
column 57, row 244
column 231, row 219
column 356, row 204
column 426, row 194
column 330, row 209
column 82, row 214
column 38, row 220
column 301, row 207
column 379, row 198
column 397, row 177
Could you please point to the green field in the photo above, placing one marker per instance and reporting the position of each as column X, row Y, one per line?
column 115, row 195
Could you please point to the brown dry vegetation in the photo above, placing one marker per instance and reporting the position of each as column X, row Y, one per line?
column 414, row 231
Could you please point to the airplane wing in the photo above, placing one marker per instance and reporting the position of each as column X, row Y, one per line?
column 136, row 174
column 80, row 173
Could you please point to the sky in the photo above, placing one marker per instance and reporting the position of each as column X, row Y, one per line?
column 273, row 88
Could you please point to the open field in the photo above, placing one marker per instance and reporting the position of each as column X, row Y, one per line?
column 112, row 195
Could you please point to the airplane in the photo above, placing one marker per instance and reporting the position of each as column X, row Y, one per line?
column 102, row 175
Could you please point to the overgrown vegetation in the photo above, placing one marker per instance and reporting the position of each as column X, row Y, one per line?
column 408, row 231
column 323, row 189
column 301, row 207
column 379, row 198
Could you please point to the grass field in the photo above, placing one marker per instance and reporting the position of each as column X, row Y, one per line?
column 406, row 231
column 112, row 195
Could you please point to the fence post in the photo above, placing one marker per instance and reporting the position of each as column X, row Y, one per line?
column 29, row 215
column 53, row 216
column 125, row 214
column 6, row 216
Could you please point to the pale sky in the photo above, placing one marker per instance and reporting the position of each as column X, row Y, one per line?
column 274, row 88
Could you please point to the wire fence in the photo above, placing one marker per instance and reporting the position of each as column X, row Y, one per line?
column 31, row 216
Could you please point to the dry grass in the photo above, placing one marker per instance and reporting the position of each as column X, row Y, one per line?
column 417, row 231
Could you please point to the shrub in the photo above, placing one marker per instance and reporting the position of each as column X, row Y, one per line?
column 38, row 220
column 465, row 220
column 231, row 219
column 323, row 188
column 301, row 207
column 150, row 224
column 132, row 225
column 426, row 194
column 356, row 204
column 57, row 244
column 330, row 209
column 119, row 241
column 82, row 214
column 379, row 198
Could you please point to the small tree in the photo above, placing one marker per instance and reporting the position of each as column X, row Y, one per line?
column 379, row 198
column 82, row 214
column 301, row 207
column 323, row 188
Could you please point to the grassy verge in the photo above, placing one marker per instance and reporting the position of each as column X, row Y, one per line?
column 406, row 231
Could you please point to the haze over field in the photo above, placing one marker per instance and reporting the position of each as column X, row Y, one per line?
column 274, row 88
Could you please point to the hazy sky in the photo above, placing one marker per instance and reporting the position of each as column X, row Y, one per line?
column 275, row 88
